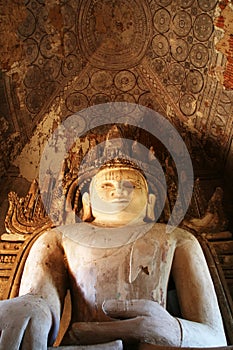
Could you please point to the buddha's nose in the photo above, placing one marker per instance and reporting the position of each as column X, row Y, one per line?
column 119, row 189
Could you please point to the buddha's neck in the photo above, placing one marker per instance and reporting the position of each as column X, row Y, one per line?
column 112, row 223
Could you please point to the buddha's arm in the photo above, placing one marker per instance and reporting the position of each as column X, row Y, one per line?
column 201, row 320
column 45, row 274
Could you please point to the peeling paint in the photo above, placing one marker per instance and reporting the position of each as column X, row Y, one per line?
column 225, row 44
column 29, row 159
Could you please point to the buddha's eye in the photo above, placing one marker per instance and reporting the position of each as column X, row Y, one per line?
column 129, row 185
column 107, row 185
column 132, row 184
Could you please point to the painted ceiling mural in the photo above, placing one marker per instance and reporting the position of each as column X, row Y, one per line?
column 61, row 56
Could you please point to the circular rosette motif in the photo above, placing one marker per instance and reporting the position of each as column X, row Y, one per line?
column 68, row 15
column 125, row 80
column 52, row 68
column 101, row 80
column 28, row 25
column 114, row 34
column 159, row 66
column 47, row 47
column 31, row 50
column 182, row 23
column 179, row 49
column 195, row 81
column 72, row 65
column 33, row 77
column 35, row 101
column 161, row 20
column 69, row 42
column 203, row 27
column 160, row 45
column 176, row 73
column 76, row 102
column 188, row 104
column 148, row 101
column 199, row 55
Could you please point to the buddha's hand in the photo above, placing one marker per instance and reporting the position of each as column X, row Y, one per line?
column 140, row 321
column 25, row 322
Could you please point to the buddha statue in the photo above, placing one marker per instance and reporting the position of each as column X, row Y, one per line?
column 117, row 264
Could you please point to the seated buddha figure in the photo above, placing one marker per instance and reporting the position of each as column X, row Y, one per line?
column 117, row 264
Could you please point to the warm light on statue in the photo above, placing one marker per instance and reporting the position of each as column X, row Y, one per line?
column 118, row 197
column 125, row 279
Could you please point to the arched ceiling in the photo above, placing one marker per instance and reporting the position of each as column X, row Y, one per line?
column 60, row 56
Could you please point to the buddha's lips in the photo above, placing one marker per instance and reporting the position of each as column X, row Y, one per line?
column 120, row 200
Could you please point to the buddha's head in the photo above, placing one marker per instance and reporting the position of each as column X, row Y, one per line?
column 118, row 195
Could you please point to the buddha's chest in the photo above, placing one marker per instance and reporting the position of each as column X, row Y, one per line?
column 139, row 270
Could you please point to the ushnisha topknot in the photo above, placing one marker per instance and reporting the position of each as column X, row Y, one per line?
column 114, row 151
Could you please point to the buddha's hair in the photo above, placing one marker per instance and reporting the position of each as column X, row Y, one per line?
column 122, row 163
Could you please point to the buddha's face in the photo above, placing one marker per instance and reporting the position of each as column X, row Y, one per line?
column 118, row 196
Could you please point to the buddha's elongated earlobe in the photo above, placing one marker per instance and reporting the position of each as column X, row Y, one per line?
column 87, row 214
column 151, row 206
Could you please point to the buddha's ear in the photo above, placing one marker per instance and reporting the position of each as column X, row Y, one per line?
column 87, row 214
column 151, row 207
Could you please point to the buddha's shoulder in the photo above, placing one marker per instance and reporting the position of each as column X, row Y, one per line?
column 73, row 228
column 169, row 233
